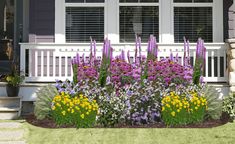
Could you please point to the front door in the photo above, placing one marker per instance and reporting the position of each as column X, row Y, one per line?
column 7, row 16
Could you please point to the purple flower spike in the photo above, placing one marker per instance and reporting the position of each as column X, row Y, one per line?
column 171, row 56
column 77, row 61
column 128, row 56
column 95, row 49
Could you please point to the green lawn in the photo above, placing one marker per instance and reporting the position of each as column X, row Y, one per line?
column 220, row 135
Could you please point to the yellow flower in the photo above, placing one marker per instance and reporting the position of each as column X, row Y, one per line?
column 68, row 109
column 167, row 105
column 63, row 112
column 82, row 116
column 87, row 113
column 72, row 111
column 53, row 108
column 163, row 108
column 178, row 110
column 173, row 113
column 77, row 108
column 58, row 104
column 196, row 108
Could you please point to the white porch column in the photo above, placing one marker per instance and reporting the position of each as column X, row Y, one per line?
column 112, row 20
column 59, row 21
column 218, row 24
column 166, row 21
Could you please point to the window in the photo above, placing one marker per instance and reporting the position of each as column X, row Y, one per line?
column 138, row 20
column 84, row 22
column 193, row 21
column 121, row 20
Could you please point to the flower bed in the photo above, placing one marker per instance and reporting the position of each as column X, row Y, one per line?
column 115, row 92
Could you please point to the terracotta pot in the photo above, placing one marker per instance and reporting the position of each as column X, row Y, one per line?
column 12, row 91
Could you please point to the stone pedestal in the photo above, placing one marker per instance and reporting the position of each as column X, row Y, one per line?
column 231, row 64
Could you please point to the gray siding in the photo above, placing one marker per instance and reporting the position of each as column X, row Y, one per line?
column 42, row 21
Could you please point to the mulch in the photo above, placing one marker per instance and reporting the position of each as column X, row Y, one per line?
column 48, row 123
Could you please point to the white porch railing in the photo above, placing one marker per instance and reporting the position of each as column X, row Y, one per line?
column 47, row 62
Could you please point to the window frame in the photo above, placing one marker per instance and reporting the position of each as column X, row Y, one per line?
column 166, row 18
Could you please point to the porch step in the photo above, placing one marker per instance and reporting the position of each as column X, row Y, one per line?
column 10, row 107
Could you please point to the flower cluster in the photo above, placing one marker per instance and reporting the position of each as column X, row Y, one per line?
column 120, row 72
column 144, row 102
column 172, row 72
column 181, row 109
column 113, row 108
column 78, row 111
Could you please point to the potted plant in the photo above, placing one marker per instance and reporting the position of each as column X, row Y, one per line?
column 14, row 80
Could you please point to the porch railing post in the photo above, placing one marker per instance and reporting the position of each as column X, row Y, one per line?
column 22, row 58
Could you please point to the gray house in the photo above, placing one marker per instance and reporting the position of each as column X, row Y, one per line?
column 45, row 34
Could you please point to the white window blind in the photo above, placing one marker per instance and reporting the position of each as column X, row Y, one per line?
column 84, row 1
column 138, row 20
column 191, row 1
column 193, row 22
column 134, row 1
column 83, row 23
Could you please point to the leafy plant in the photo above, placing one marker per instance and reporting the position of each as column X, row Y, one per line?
column 15, row 78
column 229, row 105
column 214, row 110
column 78, row 110
column 45, row 96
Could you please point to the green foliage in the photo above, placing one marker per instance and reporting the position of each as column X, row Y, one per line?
column 75, row 111
column 45, row 96
column 214, row 102
column 229, row 105
column 75, row 73
column 197, row 72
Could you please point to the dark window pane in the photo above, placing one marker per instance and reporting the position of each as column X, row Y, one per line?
column 190, row 1
column 193, row 22
column 136, row 1
column 138, row 20
column 83, row 23
column 7, row 12
column 84, row 1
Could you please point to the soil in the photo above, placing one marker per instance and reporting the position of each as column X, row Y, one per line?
column 48, row 123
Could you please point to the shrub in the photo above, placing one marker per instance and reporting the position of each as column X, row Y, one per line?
column 183, row 109
column 45, row 96
column 214, row 110
column 229, row 105
column 77, row 111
